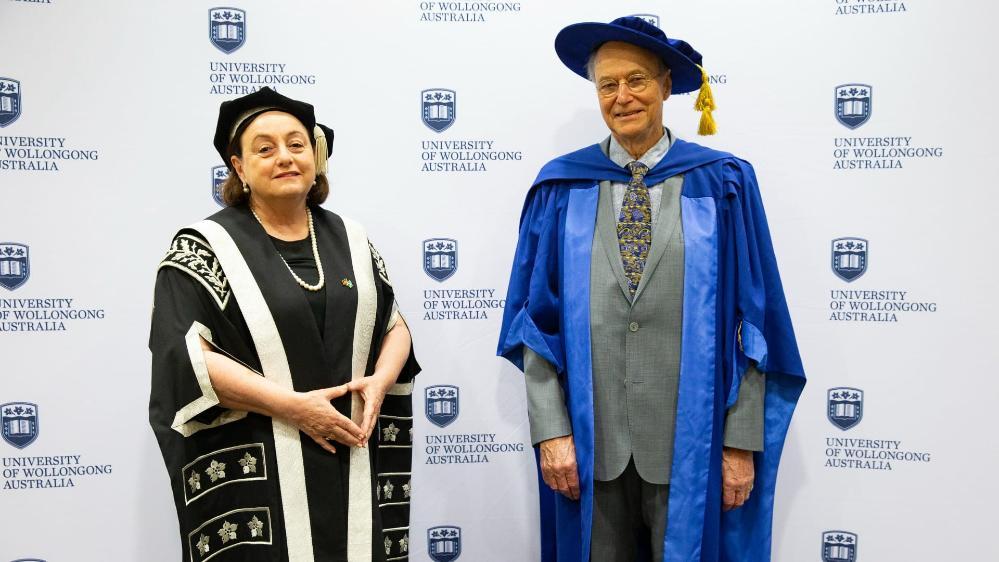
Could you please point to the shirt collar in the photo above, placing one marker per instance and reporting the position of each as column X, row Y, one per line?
column 620, row 156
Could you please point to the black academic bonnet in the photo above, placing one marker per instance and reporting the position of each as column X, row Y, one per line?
column 235, row 115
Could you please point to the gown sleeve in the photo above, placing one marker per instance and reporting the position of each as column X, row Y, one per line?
column 393, row 437
column 390, row 315
column 190, row 304
column 764, row 337
column 532, row 315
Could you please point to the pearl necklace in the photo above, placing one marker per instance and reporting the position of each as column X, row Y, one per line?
column 315, row 254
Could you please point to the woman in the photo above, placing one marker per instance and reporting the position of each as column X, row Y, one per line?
column 278, row 351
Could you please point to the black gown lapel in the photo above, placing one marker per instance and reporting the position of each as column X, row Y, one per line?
column 341, row 294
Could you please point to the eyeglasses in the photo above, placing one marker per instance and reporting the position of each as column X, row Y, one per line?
column 636, row 83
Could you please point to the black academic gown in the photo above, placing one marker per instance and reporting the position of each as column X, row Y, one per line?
column 248, row 487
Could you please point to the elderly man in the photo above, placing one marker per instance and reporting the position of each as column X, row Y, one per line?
column 646, row 310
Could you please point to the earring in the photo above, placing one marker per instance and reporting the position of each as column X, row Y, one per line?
column 246, row 188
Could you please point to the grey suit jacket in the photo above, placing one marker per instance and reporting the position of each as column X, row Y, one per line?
column 635, row 346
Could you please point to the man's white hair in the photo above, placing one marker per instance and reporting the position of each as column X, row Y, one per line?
column 592, row 62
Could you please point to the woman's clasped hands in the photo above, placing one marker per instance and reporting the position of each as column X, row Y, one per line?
column 313, row 413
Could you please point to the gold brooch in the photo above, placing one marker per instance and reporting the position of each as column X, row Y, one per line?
column 347, row 283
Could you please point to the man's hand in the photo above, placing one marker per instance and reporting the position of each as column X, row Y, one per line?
column 558, row 466
column 737, row 477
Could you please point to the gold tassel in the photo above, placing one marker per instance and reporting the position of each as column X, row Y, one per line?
column 706, row 104
column 321, row 149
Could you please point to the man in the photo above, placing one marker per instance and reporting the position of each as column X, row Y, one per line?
column 653, row 347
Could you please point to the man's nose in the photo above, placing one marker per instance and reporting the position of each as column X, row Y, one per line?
column 624, row 93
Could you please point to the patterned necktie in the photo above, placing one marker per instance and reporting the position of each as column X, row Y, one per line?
column 634, row 226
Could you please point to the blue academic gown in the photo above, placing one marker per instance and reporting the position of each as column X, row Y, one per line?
column 733, row 311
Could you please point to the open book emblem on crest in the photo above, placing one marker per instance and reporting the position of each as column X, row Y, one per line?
column 219, row 175
column 227, row 28
column 839, row 546
column 849, row 258
column 651, row 18
column 444, row 543
column 10, row 101
column 440, row 258
column 845, row 407
column 438, row 108
column 853, row 104
column 14, row 265
column 442, row 404
column 20, row 423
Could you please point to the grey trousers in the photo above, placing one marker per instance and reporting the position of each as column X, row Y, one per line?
column 626, row 512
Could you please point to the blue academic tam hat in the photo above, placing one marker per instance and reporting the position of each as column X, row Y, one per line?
column 575, row 43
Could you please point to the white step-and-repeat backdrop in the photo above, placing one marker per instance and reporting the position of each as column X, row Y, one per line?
column 871, row 124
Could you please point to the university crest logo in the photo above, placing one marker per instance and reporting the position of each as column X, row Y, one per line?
column 651, row 18
column 10, row 101
column 849, row 258
column 219, row 175
column 444, row 543
column 853, row 104
column 227, row 28
column 440, row 258
column 839, row 546
column 14, row 265
column 20, row 423
column 441, row 403
column 438, row 108
column 845, row 406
